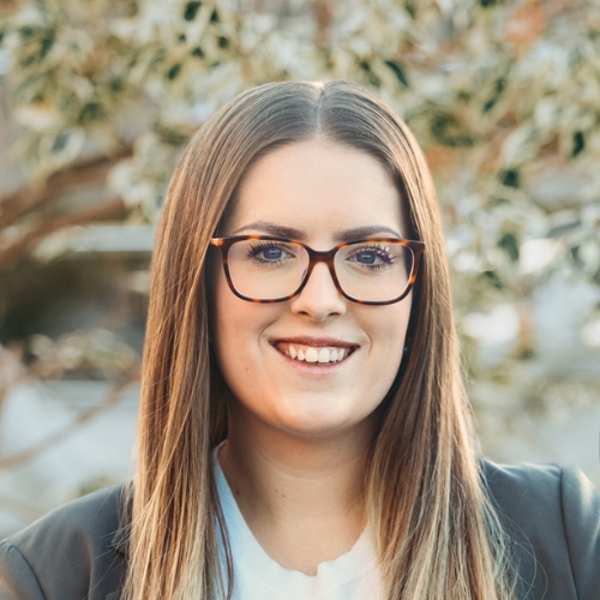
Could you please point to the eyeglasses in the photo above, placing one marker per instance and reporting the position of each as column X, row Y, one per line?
column 269, row 269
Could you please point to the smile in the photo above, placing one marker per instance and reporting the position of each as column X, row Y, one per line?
column 312, row 354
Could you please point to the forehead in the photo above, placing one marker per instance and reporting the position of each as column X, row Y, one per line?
column 318, row 189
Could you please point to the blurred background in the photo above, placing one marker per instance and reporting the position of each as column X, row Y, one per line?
column 97, row 100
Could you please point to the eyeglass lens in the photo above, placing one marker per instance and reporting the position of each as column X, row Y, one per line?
column 366, row 271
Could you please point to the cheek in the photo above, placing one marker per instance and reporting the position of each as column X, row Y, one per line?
column 229, row 322
column 229, row 341
column 388, row 335
column 237, row 331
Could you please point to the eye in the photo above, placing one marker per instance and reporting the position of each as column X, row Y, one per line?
column 372, row 257
column 269, row 253
column 368, row 258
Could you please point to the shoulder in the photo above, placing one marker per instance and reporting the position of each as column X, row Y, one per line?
column 67, row 553
column 512, row 487
column 545, row 490
column 553, row 515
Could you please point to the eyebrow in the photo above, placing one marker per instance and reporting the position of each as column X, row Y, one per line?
column 346, row 235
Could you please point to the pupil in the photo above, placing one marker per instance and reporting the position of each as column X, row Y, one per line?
column 367, row 258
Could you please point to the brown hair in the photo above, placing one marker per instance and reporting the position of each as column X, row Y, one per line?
column 437, row 535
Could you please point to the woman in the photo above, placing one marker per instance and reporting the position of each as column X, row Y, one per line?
column 304, row 431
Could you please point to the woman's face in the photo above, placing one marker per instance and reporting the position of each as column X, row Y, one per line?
column 325, row 193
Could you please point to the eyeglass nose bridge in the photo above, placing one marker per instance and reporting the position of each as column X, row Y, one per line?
column 317, row 256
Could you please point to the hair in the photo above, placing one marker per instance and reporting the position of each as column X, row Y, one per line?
column 436, row 531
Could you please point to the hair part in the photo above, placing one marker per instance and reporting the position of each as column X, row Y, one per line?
column 436, row 533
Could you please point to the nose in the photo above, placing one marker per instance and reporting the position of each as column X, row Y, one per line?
column 319, row 299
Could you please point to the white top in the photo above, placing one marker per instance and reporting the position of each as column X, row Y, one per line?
column 352, row 576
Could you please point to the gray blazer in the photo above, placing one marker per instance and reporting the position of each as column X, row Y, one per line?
column 77, row 552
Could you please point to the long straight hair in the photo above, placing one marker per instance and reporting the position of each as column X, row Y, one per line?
column 436, row 532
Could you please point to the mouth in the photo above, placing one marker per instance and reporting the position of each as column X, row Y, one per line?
column 317, row 353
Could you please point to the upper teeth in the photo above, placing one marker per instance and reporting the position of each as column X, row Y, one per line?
column 313, row 355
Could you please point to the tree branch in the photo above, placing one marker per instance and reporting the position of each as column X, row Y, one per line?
column 113, row 397
column 112, row 209
column 67, row 181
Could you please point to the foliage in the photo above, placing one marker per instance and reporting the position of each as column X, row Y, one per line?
column 503, row 95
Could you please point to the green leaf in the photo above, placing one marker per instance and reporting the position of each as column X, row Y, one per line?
column 116, row 84
column 509, row 244
column 60, row 142
column 498, row 89
column 578, row 143
column 191, row 10
column 395, row 66
column 27, row 32
column 510, row 178
column 449, row 131
column 174, row 71
column 492, row 279
column 373, row 79
column 91, row 112
column 46, row 45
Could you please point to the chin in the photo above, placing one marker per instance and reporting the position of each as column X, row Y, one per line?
column 321, row 424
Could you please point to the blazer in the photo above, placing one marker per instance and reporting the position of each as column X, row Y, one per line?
column 77, row 552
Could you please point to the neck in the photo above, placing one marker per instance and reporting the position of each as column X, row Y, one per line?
column 309, row 471
column 293, row 490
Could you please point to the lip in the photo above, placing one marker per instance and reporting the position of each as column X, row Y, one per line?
column 315, row 342
column 314, row 369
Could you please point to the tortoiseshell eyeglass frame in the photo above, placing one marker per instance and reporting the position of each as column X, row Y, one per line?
column 327, row 256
